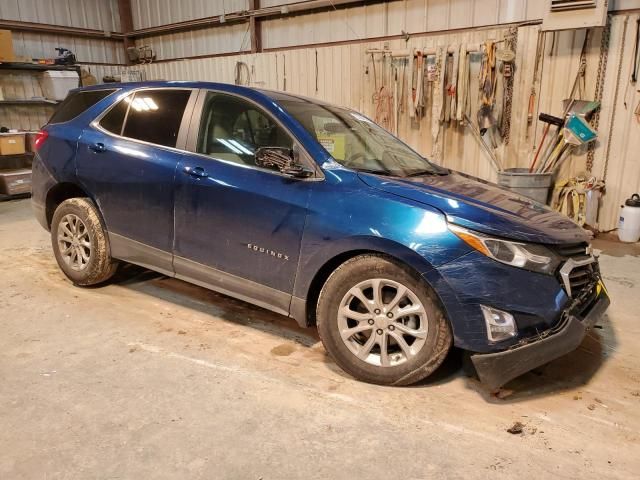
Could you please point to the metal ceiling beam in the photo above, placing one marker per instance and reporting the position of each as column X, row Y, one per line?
column 46, row 28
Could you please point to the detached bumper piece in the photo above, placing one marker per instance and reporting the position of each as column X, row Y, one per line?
column 496, row 369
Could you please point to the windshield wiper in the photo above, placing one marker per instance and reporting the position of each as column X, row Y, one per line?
column 374, row 171
column 419, row 173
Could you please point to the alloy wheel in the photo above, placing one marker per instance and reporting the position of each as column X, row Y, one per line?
column 74, row 242
column 382, row 322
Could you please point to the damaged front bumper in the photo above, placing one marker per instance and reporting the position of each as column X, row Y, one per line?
column 496, row 369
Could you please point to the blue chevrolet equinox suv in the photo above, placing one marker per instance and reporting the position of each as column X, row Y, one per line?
column 315, row 212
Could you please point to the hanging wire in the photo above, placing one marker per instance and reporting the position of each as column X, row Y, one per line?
column 243, row 74
column 345, row 22
column 244, row 38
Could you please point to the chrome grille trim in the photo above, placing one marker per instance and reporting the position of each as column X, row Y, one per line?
column 569, row 266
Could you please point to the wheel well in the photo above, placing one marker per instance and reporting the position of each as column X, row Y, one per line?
column 325, row 271
column 60, row 193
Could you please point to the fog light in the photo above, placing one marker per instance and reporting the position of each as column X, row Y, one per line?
column 500, row 325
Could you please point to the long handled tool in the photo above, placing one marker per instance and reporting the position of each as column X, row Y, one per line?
column 476, row 133
column 549, row 120
column 576, row 132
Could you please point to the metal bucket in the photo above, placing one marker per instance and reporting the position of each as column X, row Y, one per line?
column 520, row 181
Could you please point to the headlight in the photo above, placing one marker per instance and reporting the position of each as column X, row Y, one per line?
column 529, row 256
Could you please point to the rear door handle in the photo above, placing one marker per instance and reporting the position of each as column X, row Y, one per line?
column 98, row 147
column 197, row 172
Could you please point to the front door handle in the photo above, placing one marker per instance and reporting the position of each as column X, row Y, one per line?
column 98, row 147
column 197, row 172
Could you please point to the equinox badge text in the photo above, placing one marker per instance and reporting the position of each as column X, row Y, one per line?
column 266, row 251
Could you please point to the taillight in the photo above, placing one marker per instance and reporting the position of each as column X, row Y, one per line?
column 41, row 136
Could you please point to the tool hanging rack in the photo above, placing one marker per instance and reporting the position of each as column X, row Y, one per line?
column 405, row 74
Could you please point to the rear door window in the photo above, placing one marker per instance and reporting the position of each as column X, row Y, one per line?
column 155, row 116
column 77, row 103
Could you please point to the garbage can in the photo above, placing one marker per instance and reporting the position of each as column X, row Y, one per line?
column 532, row 185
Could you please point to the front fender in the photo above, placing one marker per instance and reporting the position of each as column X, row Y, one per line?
column 347, row 217
column 314, row 260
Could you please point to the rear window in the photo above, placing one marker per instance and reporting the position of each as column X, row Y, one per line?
column 76, row 103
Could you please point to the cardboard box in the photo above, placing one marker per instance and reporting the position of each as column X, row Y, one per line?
column 6, row 46
column 12, row 143
column 30, row 141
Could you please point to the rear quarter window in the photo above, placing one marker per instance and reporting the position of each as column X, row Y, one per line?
column 114, row 119
column 155, row 115
column 77, row 103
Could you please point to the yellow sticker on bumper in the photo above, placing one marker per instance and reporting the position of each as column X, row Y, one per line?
column 601, row 288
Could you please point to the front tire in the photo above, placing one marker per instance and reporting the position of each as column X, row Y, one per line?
column 381, row 322
column 80, row 243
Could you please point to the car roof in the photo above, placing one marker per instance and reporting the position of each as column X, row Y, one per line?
column 273, row 95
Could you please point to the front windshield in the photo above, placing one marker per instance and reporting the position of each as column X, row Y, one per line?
column 356, row 142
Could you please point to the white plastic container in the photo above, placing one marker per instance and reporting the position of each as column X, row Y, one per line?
column 57, row 83
column 629, row 224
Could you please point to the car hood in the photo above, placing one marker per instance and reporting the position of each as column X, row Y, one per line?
column 484, row 207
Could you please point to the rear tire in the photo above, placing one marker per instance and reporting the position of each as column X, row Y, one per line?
column 80, row 243
column 381, row 322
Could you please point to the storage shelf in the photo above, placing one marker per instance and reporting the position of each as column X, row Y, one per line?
column 17, row 155
column 29, row 101
column 38, row 67
column 13, row 171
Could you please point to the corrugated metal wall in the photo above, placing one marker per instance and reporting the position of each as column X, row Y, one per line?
column 369, row 21
column 94, row 14
column 233, row 38
column 385, row 19
column 356, row 23
column 209, row 41
column 38, row 45
column 151, row 13
column 618, row 121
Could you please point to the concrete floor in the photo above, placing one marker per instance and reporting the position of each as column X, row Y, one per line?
column 151, row 377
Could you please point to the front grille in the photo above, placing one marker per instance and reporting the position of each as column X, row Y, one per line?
column 575, row 250
column 580, row 278
column 579, row 272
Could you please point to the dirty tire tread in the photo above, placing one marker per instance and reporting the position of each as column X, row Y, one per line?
column 442, row 330
column 101, row 266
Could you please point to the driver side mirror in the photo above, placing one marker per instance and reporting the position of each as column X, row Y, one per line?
column 283, row 160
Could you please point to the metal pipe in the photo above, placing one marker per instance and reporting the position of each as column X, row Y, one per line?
column 476, row 133
column 472, row 48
